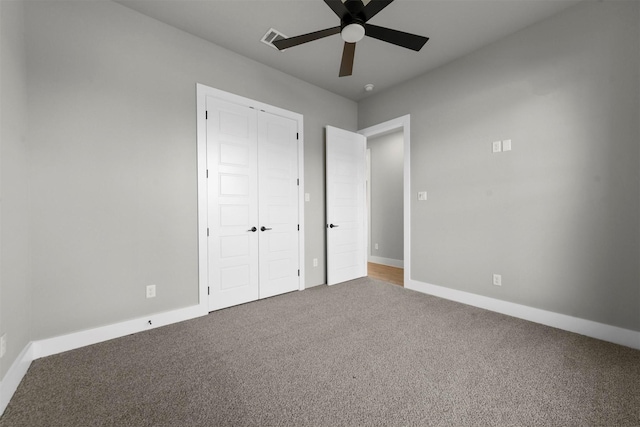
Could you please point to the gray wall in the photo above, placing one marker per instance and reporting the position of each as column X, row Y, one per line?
column 15, row 289
column 113, row 159
column 558, row 216
column 386, row 213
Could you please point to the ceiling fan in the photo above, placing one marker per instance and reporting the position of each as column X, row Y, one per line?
column 354, row 15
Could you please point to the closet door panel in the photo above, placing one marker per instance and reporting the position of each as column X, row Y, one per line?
column 278, row 204
column 233, row 210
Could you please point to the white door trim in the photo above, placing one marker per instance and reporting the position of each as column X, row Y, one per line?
column 401, row 123
column 368, row 202
column 202, row 91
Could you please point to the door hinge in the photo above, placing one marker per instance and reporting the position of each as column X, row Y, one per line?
column 298, row 181
column 298, row 272
column 207, row 173
column 207, row 231
column 297, row 135
column 206, row 115
column 298, row 227
column 208, row 290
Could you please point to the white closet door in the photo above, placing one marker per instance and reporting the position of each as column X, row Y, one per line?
column 278, row 204
column 346, row 222
column 233, row 211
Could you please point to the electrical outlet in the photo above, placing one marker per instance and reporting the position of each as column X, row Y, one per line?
column 151, row 291
column 3, row 345
column 307, row 197
column 376, row 245
column 497, row 279
column 506, row 145
column 315, row 262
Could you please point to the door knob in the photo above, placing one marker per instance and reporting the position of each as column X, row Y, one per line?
column 333, row 226
column 263, row 228
column 253, row 229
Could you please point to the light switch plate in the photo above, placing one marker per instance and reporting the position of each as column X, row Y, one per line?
column 422, row 195
column 496, row 146
column 3, row 345
column 307, row 197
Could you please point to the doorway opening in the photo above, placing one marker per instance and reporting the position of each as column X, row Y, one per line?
column 388, row 200
column 385, row 164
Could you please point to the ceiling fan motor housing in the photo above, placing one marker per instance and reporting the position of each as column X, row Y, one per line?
column 354, row 6
column 351, row 26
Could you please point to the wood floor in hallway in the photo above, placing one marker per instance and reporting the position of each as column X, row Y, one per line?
column 393, row 275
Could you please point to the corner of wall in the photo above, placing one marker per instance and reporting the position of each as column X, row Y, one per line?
column 15, row 286
column 16, row 372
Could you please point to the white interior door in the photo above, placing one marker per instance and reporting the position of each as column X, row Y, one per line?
column 278, row 204
column 232, row 164
column 346, row 220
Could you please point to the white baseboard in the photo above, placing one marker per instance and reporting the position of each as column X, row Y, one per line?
column 47, row 347
column 386, row 261
column 14, row 375
column 55, row 345
column 589, row 328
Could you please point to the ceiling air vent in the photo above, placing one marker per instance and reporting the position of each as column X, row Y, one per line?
column 271, row 36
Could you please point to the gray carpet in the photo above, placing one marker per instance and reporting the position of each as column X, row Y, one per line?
column 356, row 354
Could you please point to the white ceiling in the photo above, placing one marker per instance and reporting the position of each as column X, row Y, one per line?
column 455, row 28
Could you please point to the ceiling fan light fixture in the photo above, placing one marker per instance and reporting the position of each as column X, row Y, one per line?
column 352, row 33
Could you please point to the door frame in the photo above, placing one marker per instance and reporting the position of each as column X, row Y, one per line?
column 202, row 92
column 401, row 123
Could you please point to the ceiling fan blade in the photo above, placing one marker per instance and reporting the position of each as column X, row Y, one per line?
column 373, row 8
column 338, row 8
column 348, row 53
column 399, row 38
column 305, row 38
